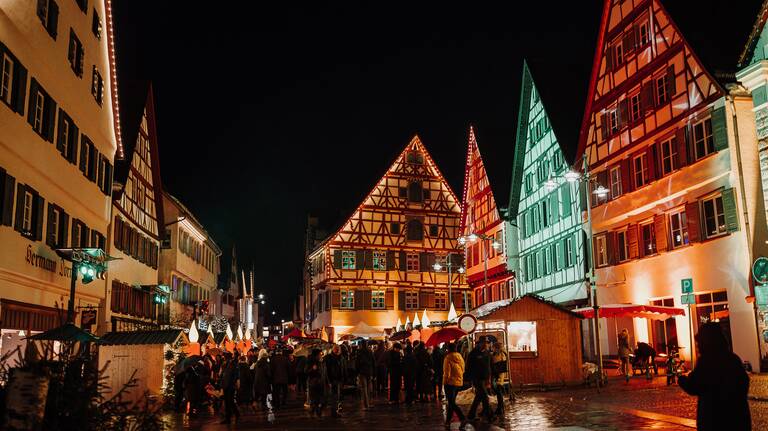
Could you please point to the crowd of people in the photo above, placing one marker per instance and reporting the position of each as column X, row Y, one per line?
column 391, row 372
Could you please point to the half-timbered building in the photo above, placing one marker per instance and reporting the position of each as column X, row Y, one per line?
column 380, row 265
column 662, row 135
column 483, row 233
column 135, row 300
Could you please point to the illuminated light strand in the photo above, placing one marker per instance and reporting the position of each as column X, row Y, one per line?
column 113, row 79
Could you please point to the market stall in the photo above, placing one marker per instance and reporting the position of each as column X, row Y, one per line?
column 543, row 340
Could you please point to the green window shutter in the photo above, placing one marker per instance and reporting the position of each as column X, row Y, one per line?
column 729, row 208
column 565, row 198
column 560, row 248
column 719, row 131
column 554, row 208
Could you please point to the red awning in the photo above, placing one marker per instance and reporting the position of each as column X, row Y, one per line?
column 654, row 312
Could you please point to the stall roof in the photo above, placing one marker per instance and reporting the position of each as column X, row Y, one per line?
column 164, row 336
column 487, row 309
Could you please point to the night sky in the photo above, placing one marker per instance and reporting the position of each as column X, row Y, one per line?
column 269, row 113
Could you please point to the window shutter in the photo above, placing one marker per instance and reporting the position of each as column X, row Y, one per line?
column 335, row 298
column 430, row 262
column 72, row 148
column 403, row 260
column 626, row 178
column 86, row 235
column 671, row 84
column 75, row 238
column 582, row 196
column 609, row 59
column 562, row 244
column 20, row 88
column 554, row 212
column 719, row 131
column 60, row 134
column 692, row 217
column 730, row 209
column 522, row 225
column 660, row 230
column 646, row 97
column 368, row 262
column 93, row 159
column 359, row 299
column 107, row 186
column 424, row 262
column 603, row 127
column 681, row 140
column 650, row 158
column 49, row 118
column 401, row 300
column 390, row 260
column 595, row 252
column 389, row 299
column 63, row 229
column 19, row 207
column 50, row 235
column 632, row 241
column 611, row 249
column 83, row 154
column 628, row 42
column 38, row 211
column 337, row 259
column 423, row 300
column 53, row 18
column 32, row 97
column 623, row 113
column 8, row 187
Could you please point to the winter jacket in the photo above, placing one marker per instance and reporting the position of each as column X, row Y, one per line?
column 334, row 368
column 262, row 378
column 453, row 369
column 478, row 365
column 316, row 380
column 281, row 369
column 364, row 362
column 394, row 361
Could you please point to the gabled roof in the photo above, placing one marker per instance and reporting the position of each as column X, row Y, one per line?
column 165, row 336
column 481, row 312
column 476, row 186
column 754, row 36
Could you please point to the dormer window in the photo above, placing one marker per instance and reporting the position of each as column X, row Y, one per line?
column 415, row 157
column 415, row 192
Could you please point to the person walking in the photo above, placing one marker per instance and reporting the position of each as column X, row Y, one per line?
column 395, row 369
column 334, row 370
column 364, row 366
column 280, row 367
column 437, row 363
column 262, row 378
column 453, row 379
column 229, row 382
column 245, row 388
column 425, row 372
column 479, row 370
column 410, row 374
column 381, row 368
column 720, row 383
column 316, row 382
column 624, row 351
column 301, row 376
column 499, row 374
column 192, row 389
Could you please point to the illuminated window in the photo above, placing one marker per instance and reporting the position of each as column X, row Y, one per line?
column 601, row 251
column 347, row 298
column 521, row 337
column 6, row 78
column 96, row 25
column 678, row 224
column 714, row 216
column 623, row 245
column 613, row 118
column 615, row 182
column 662, row 86
column 442, row 260
column 411, row 300
column 648, row 236
column 76, row 54
column 642, row 33
column 347, row 259
column 380, row 260
column 641, row 170
column 703, row 141
column 634, row 106
column 547, row 261
column 37, row 121
column 441, row 301
column 377, row 300
column 26, row 221
column 668, row 156
column 412, row 262
column 97, row 86
column 619, row 51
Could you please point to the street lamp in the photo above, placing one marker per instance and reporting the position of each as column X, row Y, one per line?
column 472, row 238
column 449, row 263
column 600, row 191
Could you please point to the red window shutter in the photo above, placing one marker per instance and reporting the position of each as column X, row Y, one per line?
column 335, row 298
column 612, row 250
column 694, row 226
column 626, row 178
column 632, row 240
column 389, row 299
column 681, row 139
column 650, row 158
column 660, row 230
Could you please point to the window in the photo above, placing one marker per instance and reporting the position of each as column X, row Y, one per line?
column 26, row 221
column 521, row 339
column 542, row 170
column 441, row 301
column 434, row 230
column 89, row 160
column 415, row 193
column 347, row 259
column 615, row 179
column 97, row 86
column 545, row 212
column 569, row 258
column 641, row 170
column 415, row 230
column 39, row 108
column 96, row 25
column 668, row 156
column 377, row 300
column 402, row 192
column 662, row 85
column 6, row 78
column 547, row 261
column 714, row 216
column 601, row 251
column 379, row 260
column 678, row 223
column 76, row 54
column 619, row 51
column 411, row 300
column 642, row 33
column 347, row 299
column 48, row 12
column 613, row 118
column 634, row 107
column 535, row 219
column 557, row 161
column 442, row 260
column 394, row 228
column 623, row 245
column 414, row 157
column 649, row 239
column 703, row 141
column 528, row 183
column 412, row 262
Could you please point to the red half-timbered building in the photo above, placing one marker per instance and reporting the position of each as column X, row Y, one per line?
column 659, row 134
column 380, row 265
column 482, row 230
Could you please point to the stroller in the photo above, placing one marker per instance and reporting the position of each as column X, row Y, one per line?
column 644, row 360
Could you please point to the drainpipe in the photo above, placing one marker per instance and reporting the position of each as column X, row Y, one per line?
column 738, row 89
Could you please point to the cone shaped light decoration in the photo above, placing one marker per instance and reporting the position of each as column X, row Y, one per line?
column 229, row 332
column 247, row 334
column 452, row 314
column 210, row 329
column 425, row 322
column 399, row 326
column 239, row 332
column 193, row 334
column 416, row 321
column 407, row 322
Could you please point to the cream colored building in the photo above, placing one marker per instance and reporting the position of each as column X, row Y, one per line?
column 57, row 146
column 190, row 265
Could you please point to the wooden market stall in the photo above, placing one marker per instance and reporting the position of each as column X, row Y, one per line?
column 143, row 352
column 542, row 338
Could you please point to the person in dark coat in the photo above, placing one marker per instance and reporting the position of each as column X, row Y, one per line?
column 281, row 371
column 425, row 372
column 316, row 382
column 364, row 367
column 229, row 381
column 380, row 354
column 720, row 382
column 244, row 392
column 395, row 368
column 262, row 378
column 192, row 389
column 437, row 364
column 479, row 373
column 301, row 376
column 334, row 370
column 410, row 374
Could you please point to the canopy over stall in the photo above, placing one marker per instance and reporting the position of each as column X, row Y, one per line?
column 364, row 330
column 654, row 312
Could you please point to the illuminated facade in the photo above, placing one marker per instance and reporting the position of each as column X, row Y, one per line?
column 57, row 148
column 486, row 251
column 676, row 152
column 379, row 266
column 547, row 208
column 134, row 298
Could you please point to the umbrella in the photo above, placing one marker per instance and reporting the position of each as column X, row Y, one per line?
column 296, row 333
column 190, row 360
column 445, row 335
column 66, row 332
column 400, row 335
column 348, row 337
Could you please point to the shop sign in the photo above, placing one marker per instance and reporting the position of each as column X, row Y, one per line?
column 88, row 317
column 761, row 294
column 760, row 270
column 56, row 266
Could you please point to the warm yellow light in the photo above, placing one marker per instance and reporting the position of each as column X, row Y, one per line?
column 229, row 332
column 399, row 326
column 193, row 335
column 407, row 322
column 248, row 334
column 425, row 322
column 416, row 321
column 452, row 316
column 239, row 332
column 472, row 237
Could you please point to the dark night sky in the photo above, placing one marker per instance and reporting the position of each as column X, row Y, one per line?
column 267, row 114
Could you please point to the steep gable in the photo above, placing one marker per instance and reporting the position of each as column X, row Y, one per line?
column 479, row 211
column 756, row 48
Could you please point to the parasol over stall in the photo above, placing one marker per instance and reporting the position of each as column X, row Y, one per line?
column 445, row 335
column 653, row 312
column 67, row 332
column 400, row 335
